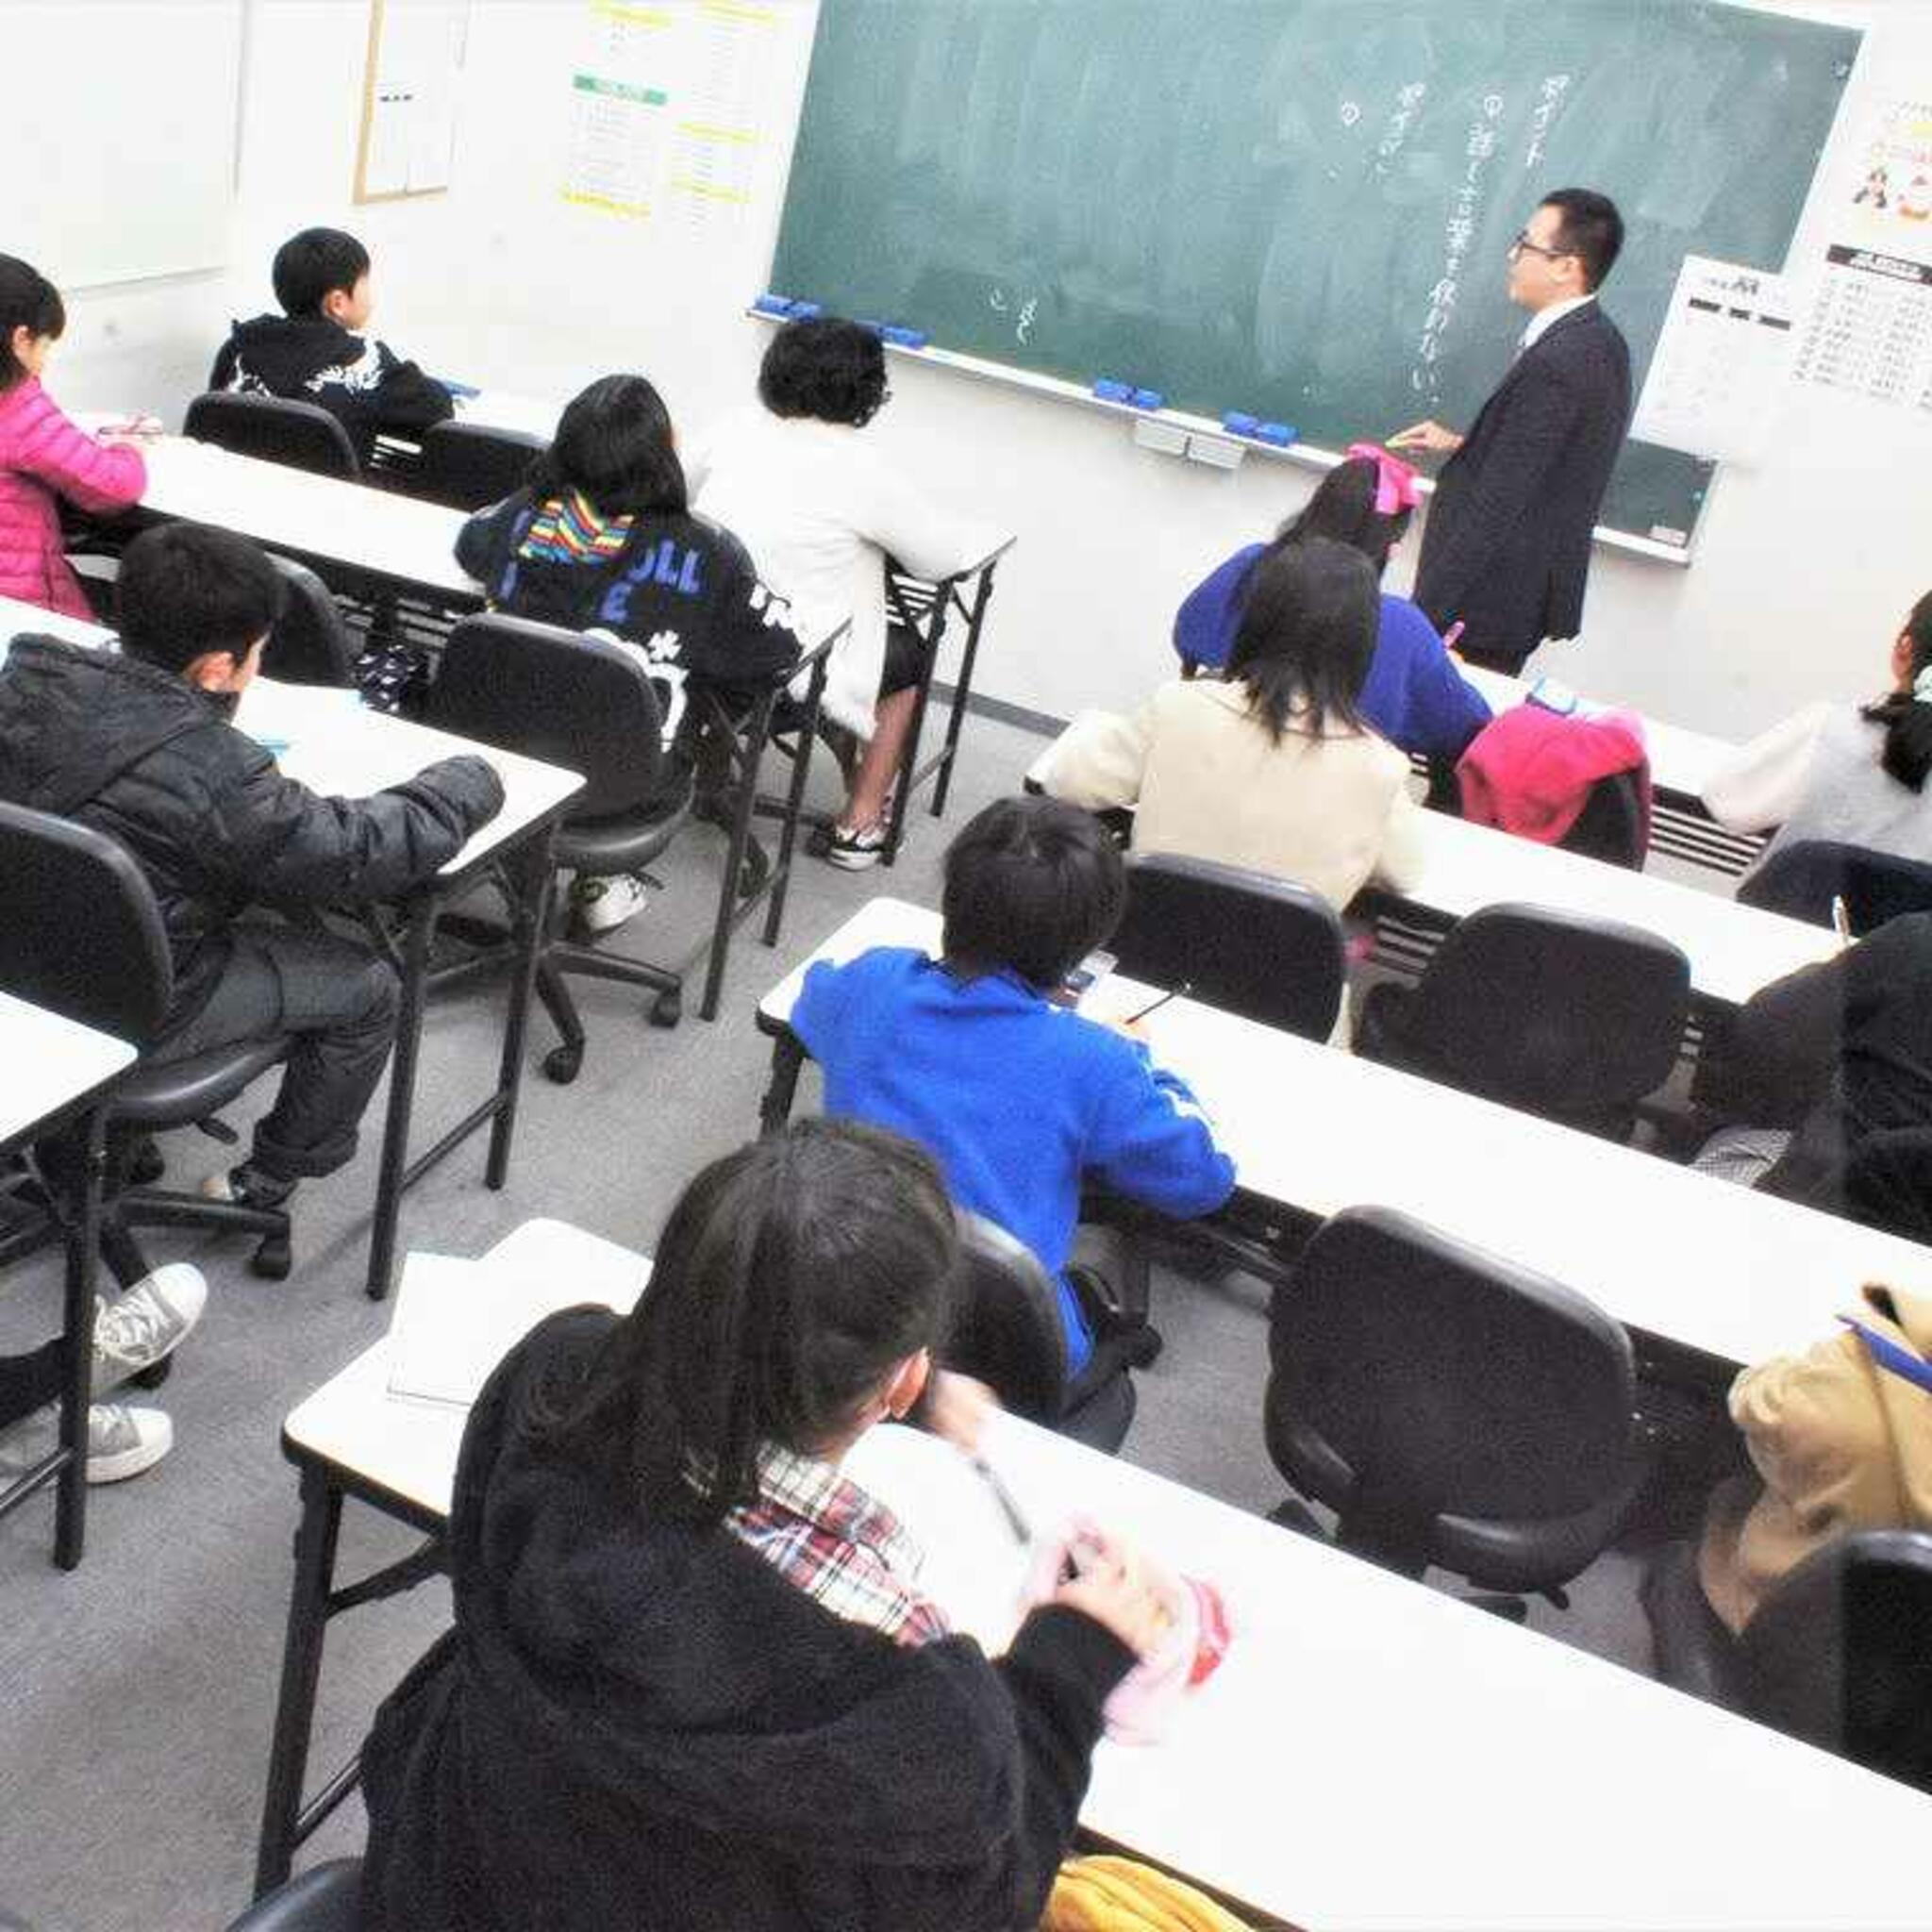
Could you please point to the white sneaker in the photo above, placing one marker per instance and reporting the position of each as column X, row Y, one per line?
column 136, row 1329
column 122, row 1442
column 604, row 904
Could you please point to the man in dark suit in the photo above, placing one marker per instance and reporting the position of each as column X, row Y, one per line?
column 1505, row 552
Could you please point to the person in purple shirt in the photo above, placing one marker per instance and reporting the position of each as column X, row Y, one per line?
column 1414, row 695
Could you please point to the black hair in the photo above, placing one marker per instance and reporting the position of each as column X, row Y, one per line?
column 825, row 367
column 1344, row 508
column 792, row 1279
column 1591, row 230
column 1907, row 718
column 187, row 588
column 28, row 300
column 1033, row 884
column 1306, row 634
column 614, row 443
column 313, row 265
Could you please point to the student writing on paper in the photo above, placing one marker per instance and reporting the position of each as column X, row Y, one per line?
column 693, row 1679
column 1413, row 695
column 1274, row 768
column 1853, row 774
column 46, row 459
column 602, row 539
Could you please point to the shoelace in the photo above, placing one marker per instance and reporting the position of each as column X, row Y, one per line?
column 129, row 1326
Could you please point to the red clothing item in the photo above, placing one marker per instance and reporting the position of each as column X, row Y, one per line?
column 43, row 458
column 1529, row 771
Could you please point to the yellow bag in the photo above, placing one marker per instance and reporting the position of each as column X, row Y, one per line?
column 1103, row 1894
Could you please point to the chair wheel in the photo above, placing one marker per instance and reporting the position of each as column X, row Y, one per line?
column 563, row 1064
column 667, row 1009
column 273, row 1260
column 153, row 1374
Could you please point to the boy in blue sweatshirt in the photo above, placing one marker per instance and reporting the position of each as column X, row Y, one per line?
column 1016, row 1098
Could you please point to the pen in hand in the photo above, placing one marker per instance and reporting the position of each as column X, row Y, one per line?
column 1178, row 992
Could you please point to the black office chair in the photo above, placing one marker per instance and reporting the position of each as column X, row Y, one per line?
column 1571, row 1018
column 1006, row 1331
column 1839, row 1652
column 325, row 1898
column 1453, row 1408
column 1260, row 947
column 311, row 643
column 581, row 703
column 303, row 436
column 1611, row 825
column 80, row 933
column 1802, row 880
column 469, row 466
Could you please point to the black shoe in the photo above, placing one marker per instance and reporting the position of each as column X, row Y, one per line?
column 249, row 1186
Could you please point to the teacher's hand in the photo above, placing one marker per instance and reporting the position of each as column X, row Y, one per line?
column 1427, row 436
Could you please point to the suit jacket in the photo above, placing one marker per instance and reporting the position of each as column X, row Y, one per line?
column 1507, row 548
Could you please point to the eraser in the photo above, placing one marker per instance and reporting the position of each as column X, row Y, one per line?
column 1110, row 391
column 774, row 305
column 1147, row 399
column 1280, row 434
column 907, row 338
column 1238, row 422
column 803, row 311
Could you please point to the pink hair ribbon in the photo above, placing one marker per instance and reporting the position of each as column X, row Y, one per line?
column 1395, row 480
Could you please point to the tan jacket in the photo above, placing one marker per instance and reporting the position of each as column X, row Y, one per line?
column 1842, row 1446
column 1209, row 782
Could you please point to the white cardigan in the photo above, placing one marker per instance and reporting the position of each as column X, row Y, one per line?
column 820, row 509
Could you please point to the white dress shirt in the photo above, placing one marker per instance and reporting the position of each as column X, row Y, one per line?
column 1545, row 318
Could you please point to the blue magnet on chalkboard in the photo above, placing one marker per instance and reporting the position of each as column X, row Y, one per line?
column 1147, row 399
column 1110, row 390
column 907, row 338
column 1238, row 422
column 1280, row 434
column 803, row 311
column 774, row 305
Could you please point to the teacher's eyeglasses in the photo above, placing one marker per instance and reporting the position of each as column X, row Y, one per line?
column 1524, row 245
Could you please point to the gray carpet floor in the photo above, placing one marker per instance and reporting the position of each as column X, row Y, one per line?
column 136, row 1695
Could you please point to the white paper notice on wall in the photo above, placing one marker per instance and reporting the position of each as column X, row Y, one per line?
column 410, row 115
column 1721, row 364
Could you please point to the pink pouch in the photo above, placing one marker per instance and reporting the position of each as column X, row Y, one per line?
column 1141, row 1705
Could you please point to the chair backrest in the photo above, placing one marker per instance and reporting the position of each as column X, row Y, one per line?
column 468, row 465
column 311, row 643
column 555, row 695
column 1260, row 947
column 80, row 930
column 1611, row 824
column 1414, row 1375
column 279, row 430
column 1561, row 1015
column 325, row 1898
column 1005, row 1327
column 1840, row 1651
column 1802, row 880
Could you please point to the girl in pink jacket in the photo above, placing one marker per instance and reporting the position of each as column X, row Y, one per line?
column 45, row 457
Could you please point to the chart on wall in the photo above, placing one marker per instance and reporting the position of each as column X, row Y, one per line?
column 1298, row 209
column 667, row 107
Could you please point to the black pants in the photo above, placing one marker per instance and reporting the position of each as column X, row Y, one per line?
column 339, row 1000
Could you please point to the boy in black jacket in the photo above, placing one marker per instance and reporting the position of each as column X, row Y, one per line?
column 137, row 744
column 314, row 352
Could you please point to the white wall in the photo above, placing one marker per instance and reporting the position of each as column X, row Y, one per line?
column 1803, row 565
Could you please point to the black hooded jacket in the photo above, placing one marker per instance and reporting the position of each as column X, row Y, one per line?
column 640, row 1726
column 359, row 380
column 140, row 754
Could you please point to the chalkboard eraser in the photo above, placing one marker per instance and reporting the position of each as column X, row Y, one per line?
column 907, row 338
column 774, row 305
column 803, row 311
column 1280, row 434
column 1238, row 422
column 1110, row 390
column 1147, row 399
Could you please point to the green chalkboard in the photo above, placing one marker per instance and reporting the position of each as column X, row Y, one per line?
column 1298, row 209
